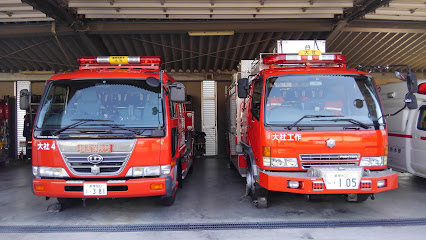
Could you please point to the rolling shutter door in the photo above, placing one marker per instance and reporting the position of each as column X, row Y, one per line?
column 209, row 118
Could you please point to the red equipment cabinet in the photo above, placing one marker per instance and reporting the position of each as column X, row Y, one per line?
column 4, row 110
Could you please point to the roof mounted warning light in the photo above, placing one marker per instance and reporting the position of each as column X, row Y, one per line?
column 304, row 58
column 120, row 60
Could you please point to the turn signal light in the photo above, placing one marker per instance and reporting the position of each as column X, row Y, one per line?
column 39, row 187
column 266, row 151
column 157, row 186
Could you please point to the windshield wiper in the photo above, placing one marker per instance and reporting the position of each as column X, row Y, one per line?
column 78, row 123
column 120, row 126
column 307, row 116
column 356, row 122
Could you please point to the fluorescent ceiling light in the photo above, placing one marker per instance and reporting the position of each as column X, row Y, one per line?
column 210, row 33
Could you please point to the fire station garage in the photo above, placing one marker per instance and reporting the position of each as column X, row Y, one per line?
column 212, row 119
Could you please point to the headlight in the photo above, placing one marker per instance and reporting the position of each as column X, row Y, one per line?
column 50, row 172
column 373, row 161
column 279, row 162
column 165, row 169
column 149, row 171
column 266, row 161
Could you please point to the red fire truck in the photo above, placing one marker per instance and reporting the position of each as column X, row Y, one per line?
column 116, row 128
column 305, row 123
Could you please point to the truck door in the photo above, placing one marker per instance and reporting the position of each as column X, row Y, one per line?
column 253, row 131
column 175, row 129
column 418, row 143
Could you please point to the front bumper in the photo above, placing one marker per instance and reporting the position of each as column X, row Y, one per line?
column 278, row 181
column 115, row 188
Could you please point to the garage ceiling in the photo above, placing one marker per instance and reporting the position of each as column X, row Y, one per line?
column 49, row 35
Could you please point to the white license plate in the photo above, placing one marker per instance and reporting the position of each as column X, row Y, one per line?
column 342, row 180
column 95, row 189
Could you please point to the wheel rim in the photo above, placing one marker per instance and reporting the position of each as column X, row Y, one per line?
column 250, row 180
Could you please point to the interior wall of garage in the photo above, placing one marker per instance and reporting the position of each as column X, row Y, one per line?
column 37, row 87
column 221, row 117
column 7, row 89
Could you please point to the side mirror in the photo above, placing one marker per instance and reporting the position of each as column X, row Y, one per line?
column 177, row 92
column 358, row 103
column 412, row 82
column 243, row 88
column 24, row 99
column 400, row 76
column 410, row 101
column 410, row 78
column 152, row 82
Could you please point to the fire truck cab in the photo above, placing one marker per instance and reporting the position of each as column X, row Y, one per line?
column 116, row 128
column 304, row 123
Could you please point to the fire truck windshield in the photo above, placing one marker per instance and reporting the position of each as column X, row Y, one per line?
column 353, row 98
column 130, row 104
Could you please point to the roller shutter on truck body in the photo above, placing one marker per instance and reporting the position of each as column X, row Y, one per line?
column 20, row 114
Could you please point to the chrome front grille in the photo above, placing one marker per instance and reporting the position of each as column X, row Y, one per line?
column 308, row 165
column 329, row 157
column 103, row 157
column 112, row 163
column 311, row 160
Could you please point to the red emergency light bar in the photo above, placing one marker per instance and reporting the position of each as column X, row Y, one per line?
column 116, row 60
column 422, row 89
column 297, row 59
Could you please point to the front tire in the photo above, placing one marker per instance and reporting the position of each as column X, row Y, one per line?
column 258, row 194
column 359, row 198
column 168, row 201
column 179, row 176
column 68, row 202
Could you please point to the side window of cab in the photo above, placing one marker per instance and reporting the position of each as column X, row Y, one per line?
column 256, row 99
column 421, row 123
column 172, row 108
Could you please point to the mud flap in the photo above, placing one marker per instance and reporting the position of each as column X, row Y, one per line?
column 171, row 187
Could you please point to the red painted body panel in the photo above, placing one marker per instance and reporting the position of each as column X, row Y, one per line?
column 135, row 188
